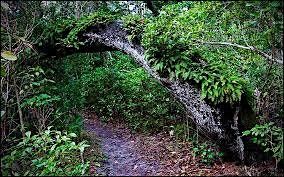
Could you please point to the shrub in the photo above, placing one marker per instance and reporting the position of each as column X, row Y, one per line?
column 269, row 137
column 48, row 153
column 208, row 155
column 134, row 25
column 121, row 90
column 117, row 89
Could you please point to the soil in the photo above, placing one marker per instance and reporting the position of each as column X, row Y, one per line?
column 134, row 154
column 119, row 147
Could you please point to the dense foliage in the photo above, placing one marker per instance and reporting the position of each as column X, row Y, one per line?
column 223, row 48
column 269, row 137
column 231, row 51
column 48, row 153
column 180, row 44
column 118, row 90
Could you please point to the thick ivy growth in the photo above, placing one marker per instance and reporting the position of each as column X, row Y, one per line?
column 179, row 41
column 67, row 30
column 134, row 25
column 100, row 17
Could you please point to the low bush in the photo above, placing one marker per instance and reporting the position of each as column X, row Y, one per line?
column 50, row 152
column 118, row 90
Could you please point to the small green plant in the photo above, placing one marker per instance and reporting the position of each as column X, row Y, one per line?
column 134, row 25
column 208, row 155
column 216, row 86
column 34, row 81
column 41, row 107
column 100, row 17
column 48, row 153
column 40, row 100
column 268, row 136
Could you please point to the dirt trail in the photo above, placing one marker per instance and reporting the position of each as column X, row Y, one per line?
column 131, row 154
column 118, row 145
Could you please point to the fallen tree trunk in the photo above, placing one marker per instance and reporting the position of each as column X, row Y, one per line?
column 212, row 121
column 209, row 119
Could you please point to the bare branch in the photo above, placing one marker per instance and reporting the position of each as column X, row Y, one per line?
column 252, row 48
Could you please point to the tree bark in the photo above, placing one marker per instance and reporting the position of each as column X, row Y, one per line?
column 209, row 119
column 212, row 121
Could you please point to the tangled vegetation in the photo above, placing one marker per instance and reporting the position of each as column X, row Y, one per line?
column 48, row 153
column 186, row 48
column 231, row 51
column 118, row 90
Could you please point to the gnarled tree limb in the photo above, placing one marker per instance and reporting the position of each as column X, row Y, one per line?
column 209, row 119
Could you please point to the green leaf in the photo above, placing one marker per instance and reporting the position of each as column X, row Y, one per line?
column 185, row 75
column 8, row 55
column 215, row 91
column 267, row 149
column 239, row 93
column 276, row 149
column 52, row 147
column 83, row 146
column 203, row 94
column 28, row 134
column 195, row 149
column 72, row 135
column 245, row 133
column 172, row 75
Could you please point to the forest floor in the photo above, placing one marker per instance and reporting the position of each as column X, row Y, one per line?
column 133, row 154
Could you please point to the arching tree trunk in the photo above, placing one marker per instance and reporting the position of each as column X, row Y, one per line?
column 210, row 120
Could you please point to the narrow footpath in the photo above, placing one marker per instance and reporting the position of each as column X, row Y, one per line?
column 133, row 154
column 118, row 145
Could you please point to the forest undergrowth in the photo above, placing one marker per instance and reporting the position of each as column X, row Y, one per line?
column 67, row 110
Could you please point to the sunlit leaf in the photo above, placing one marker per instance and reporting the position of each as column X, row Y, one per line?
column 8, row 55
column 28, row 134
column 72, row 135
column 2, row 113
